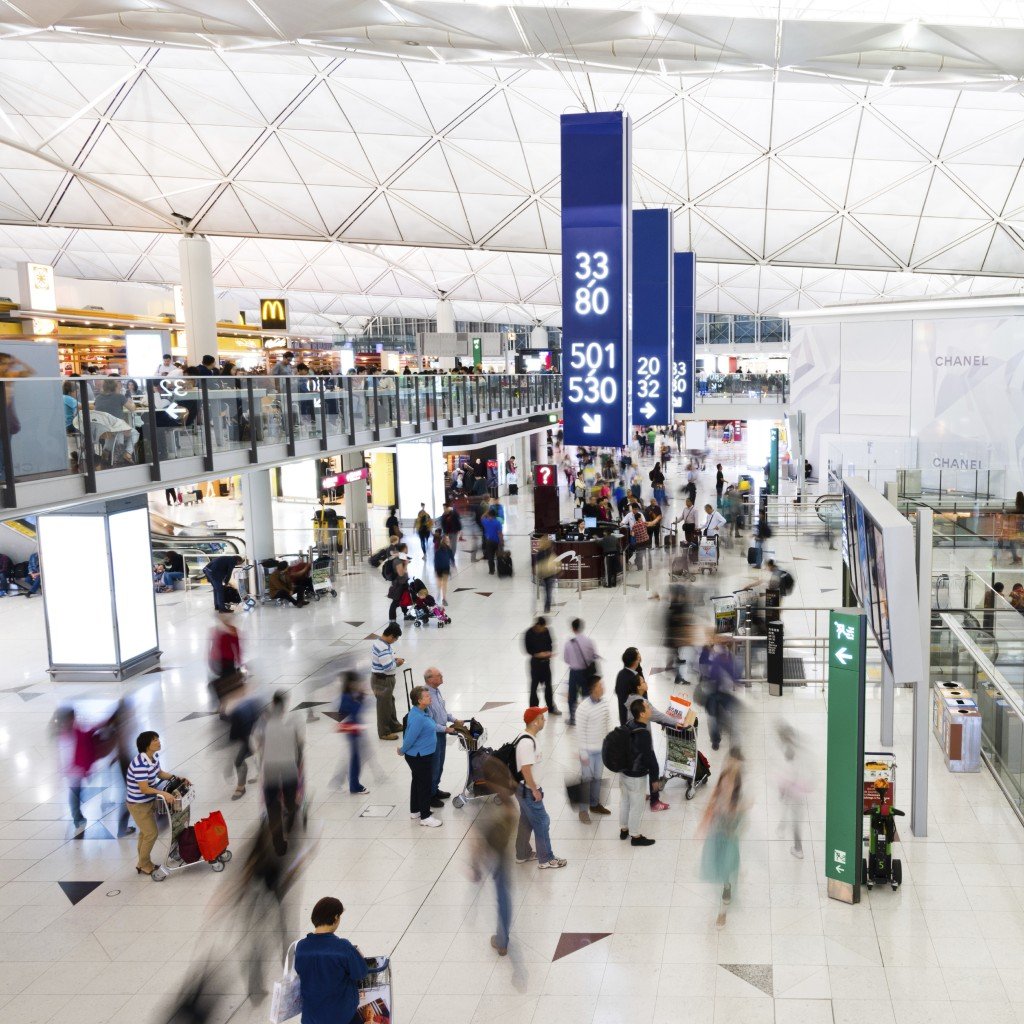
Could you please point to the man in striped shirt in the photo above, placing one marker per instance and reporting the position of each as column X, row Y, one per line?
column 383, row 665
column 141, row 794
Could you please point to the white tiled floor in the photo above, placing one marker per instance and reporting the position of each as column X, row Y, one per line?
column 947, row 947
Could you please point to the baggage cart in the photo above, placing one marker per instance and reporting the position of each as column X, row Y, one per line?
column 320, row 577
column 724, row 607
column 707, row 555
column 376, row 993
column 683, row 758
column 241, row 577
column 473, row 741
column 204, row 843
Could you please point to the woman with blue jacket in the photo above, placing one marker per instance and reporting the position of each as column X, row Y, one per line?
column 417, row 748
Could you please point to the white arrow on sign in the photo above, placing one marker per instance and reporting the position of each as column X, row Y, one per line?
column 648, row 410
column 591, row 423
column 843, row 656
column 839, row 869
column 173, row 409
column 316, row 403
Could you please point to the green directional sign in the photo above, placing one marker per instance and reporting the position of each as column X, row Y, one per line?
column 773, row 462
column 478, row 352
column 844, row 785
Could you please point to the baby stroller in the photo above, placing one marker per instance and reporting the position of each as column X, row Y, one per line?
column 472, row 740
column 425, row 608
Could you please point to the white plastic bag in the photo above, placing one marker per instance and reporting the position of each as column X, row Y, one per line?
column 286, row 1001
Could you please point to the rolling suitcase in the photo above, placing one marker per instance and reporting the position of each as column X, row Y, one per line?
column 504, row 563
column 754, row 556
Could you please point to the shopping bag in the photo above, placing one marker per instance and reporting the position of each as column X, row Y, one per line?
column 286, row 1001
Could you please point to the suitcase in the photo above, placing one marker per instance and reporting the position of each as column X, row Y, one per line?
column 504, row 563
column 754, row 556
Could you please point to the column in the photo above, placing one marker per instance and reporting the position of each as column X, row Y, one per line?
column 258, row 513
column 96, row 563
column 445, row 317
column 356, row 509
column 197, row 298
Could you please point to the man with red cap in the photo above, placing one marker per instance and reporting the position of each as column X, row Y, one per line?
column 533, row 816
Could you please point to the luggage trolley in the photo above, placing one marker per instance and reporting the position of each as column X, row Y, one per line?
column 376, row 994
column 683, row 760
column 472, row 740
column 707, row 555
column 726, row 613
column 205, row 842
column 879, row 793
column 320, row 577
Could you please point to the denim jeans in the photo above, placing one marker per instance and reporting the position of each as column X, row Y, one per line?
column 75, row 801
column 354, row 762
column 577, row 679
column 438, row 766
column 501, row 888
column 170, row 578
column 533, row 818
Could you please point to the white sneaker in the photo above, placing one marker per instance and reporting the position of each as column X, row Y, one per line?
column 432, row 822
column 555, row 862
column 415, row 816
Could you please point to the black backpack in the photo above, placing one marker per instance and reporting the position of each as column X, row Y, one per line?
column 506, row 754
column 388, row 571
column 617, row 750
column 786, row 582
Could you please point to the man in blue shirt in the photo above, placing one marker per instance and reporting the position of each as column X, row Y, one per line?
column 491, row 526
column 438, row 711
column 329, row 969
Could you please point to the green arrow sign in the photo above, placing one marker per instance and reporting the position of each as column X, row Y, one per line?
column 844, row 796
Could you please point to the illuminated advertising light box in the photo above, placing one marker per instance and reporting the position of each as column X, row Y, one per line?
column 684, row 331
column 596, row 277
column 882, row 573
column 96, row 563
column 652, row 316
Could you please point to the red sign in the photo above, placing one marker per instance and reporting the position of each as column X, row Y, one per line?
column 545, row 476
column 341, row 479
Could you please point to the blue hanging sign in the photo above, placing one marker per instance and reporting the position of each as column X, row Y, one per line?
column 652, row 316
column 684, row 332
column 596, row 256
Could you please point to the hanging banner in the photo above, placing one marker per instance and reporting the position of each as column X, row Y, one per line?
column 596, row 259
column 684, row 332
column 652, row 317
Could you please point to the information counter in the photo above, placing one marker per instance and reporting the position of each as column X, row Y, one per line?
column 591, row 555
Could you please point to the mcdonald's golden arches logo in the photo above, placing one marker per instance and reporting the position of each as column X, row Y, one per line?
column 274, row 314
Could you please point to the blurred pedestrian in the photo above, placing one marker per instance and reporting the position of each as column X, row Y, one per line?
column 444, row 562
column 794, row 783
column 581, row 656
column 718, row 678
column 594, row 721
column 75, row 754
column 492, row 831
column 720, row 826
column 242, row 720
column 353, row 696
column 280, row 739
column 546, row 567
column 225, row 660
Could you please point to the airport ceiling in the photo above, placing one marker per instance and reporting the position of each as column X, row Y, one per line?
column 367, row 157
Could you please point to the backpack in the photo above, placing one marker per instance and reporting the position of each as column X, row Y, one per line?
column 506, row 754
column 640, row 531
column 388, row 571
column 617, row 750
column 786, row 582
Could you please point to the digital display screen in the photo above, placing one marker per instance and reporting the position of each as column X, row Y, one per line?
column 684, row 330
column 652, row 316
column 596, row 262
column 590, row 522
column 864, row 554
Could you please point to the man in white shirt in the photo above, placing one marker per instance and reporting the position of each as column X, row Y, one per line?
column 594, row 725
column 167, row 368
column 533, row 816
column 688, row 518
column 714, row 523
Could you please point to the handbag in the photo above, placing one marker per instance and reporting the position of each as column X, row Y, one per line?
column 590, row 669
column 286, row 1001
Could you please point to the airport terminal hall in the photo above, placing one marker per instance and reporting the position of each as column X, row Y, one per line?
column 511, row 512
